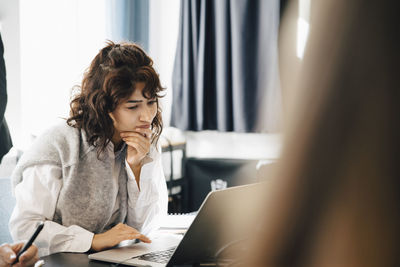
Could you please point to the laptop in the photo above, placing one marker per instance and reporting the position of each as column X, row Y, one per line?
column 225, row 217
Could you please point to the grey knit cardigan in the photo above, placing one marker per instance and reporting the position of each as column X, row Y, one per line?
column 86, row 197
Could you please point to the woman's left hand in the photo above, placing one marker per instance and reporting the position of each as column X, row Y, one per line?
column 138, row 142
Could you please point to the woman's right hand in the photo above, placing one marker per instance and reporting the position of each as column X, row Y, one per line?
column 115, row 235
column 8, row 254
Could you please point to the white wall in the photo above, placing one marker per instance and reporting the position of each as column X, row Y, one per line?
column 58, row 41
column 48, row 45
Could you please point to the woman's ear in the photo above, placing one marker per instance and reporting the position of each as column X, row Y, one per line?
column 111, row 116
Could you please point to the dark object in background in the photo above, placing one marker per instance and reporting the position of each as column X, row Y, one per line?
column 201, row 172
column 177, row 186
column 176, row 204
column 5, row 138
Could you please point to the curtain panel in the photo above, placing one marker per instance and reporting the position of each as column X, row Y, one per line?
column 128, row 20
column 225, row 73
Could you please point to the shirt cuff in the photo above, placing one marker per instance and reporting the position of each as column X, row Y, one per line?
column 82, row 241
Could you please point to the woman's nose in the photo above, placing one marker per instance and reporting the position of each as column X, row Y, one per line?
column 146, row 115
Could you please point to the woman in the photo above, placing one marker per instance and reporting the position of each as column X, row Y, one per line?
column 97, row 179
column 337, row 188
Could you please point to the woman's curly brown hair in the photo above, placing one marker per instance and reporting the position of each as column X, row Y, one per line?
column 110, row 79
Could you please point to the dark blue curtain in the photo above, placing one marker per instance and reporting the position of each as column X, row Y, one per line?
column 128, row 20
column 226, row 72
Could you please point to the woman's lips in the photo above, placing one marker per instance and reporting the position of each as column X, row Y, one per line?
column 147, row 126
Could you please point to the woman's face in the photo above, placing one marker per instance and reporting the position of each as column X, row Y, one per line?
column 134, row 112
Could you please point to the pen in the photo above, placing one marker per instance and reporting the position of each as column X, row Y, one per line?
column 39, row 228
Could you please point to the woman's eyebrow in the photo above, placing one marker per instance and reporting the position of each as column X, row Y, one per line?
column 134, row 101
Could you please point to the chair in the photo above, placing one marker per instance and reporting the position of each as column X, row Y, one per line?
column 7, row 203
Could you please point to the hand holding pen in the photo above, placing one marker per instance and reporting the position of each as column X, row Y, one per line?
column 8, row 255
column 21, row 254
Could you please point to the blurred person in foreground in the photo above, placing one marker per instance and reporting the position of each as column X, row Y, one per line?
column 336, row 192
column 8, row 255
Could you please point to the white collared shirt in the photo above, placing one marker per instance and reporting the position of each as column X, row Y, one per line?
column 41, row 185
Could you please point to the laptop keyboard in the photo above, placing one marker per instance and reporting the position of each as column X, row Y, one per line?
column 158, row 256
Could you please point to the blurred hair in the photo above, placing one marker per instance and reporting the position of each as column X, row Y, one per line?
column 110, row 79
column 337, row 187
